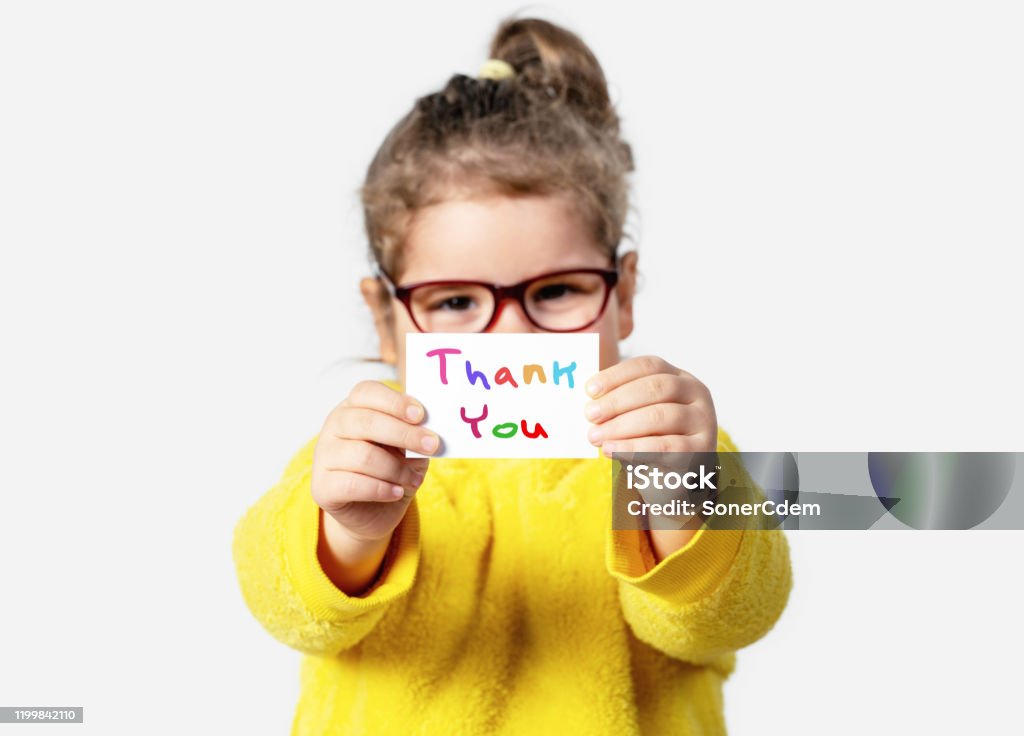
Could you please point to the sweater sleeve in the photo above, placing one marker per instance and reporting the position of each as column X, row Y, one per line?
column 723, row 590
column 282, row 582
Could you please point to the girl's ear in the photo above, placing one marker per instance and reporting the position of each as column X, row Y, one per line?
column 376, row 298
column 625, row 290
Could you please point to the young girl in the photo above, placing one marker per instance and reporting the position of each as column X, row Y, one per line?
column 492, row 596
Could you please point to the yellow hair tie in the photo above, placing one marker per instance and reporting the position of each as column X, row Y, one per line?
column 496, row 69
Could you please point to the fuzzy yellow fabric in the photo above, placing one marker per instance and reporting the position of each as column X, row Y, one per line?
column 508, row 605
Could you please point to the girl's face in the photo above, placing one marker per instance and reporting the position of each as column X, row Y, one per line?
column 500, row 240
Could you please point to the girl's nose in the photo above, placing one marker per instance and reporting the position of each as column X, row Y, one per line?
column 511, row 318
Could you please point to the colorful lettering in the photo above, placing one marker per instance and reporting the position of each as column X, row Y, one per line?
column 473, row 375
column 529, row 371
column 473, row 421
column 538, row 430
column 557, row 371
column 504, row 375
column 441, row 353
column 504, row 431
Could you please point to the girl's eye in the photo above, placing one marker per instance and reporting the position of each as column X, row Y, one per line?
column 456, row 303
column 554, row 291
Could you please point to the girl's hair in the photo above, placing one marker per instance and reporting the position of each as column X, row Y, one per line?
column 549, row 129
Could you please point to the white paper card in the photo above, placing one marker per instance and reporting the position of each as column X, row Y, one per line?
column 502, row 395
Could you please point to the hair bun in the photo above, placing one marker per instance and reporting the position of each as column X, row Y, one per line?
column 556, row 62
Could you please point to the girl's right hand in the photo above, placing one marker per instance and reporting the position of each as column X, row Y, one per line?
column 361, row 476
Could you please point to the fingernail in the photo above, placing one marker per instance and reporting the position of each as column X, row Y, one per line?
column 414, row 413
column 397, row 491
column 594, row 435
column 592, row 410
column 429, row 443
column 593, row 388
column 417, row 478
column 608, row 448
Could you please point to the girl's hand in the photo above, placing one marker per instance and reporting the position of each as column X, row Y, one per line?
column 361, row 476
column 644, row 404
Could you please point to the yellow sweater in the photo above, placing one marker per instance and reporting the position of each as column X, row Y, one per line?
column 507, row 605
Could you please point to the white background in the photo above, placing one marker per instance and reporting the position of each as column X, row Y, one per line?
column 829, row 220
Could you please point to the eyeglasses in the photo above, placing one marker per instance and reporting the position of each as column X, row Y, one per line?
column 560, row 301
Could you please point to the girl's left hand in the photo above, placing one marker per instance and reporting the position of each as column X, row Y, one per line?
column 645, row 404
